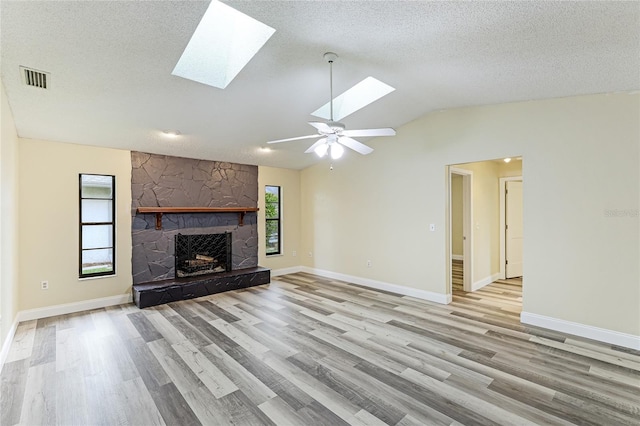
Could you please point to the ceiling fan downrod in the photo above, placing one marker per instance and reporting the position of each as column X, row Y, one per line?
column 330, row 57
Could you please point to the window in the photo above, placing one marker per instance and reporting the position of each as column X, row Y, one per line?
column 97, row 225
column 272, row 201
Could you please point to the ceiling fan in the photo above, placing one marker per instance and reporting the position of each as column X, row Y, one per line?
column 333, row 135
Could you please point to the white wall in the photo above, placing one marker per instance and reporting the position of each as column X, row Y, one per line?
column 8, row 218
column 510, row 169
column 49, row 210
column 289, row 182
column 374, row 208
column 581, row 157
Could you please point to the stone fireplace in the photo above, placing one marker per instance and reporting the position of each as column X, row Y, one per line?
column 165, row 181
column 200, row 196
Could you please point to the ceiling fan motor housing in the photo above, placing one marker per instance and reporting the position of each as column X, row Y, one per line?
column 335, row 126
column 330, row 56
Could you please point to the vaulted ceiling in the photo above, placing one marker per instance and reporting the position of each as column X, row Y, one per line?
column 111, row 64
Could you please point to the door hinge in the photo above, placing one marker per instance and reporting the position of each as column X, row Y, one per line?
column 506, row 262
column 506, row 227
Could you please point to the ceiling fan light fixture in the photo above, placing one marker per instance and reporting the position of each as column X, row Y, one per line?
column 336, row 151
column 321, row 150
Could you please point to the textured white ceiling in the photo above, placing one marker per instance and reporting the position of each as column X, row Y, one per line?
column 111, row 63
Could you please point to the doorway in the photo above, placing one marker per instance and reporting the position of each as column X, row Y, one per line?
column 461, row 230
column 482, row 197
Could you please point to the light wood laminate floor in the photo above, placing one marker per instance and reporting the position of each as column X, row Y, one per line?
column 310, row 351
column 457, row 275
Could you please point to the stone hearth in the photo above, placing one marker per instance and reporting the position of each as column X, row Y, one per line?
column 166, row 291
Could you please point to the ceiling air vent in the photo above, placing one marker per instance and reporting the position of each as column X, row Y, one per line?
column 35, row 78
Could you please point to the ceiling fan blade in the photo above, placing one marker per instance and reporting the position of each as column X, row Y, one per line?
column 321, row 126
column 295, row 139
column 386, row 131
column 315, row 145
column 355, row 145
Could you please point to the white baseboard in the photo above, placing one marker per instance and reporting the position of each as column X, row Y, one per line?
column 457, row 257
column 285, row 271
column 485, row 281
column 379, row 285
column 600, row 334
column 69, row 308
column 7, row 343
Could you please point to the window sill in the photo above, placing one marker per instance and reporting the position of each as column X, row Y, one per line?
column 275, row 255
column 97, row 278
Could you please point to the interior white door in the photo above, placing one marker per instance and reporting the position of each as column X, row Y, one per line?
column 513, row 231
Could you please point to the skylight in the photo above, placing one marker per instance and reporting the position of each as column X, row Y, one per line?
column 362, row 94
column 222, row 44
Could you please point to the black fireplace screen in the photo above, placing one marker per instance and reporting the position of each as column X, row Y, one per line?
column 202, row 254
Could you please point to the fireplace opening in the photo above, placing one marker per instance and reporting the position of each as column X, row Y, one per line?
column 202, row 254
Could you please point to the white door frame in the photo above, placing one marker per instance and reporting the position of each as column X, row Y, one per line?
column 467, row 228
column 503, row 220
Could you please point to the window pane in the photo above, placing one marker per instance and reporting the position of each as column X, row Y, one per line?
column 97, row 210
column 97, row 236
column 272, row 210
column 272, row 244
column 273, row 190
column 97, row 261
column 272, row 215
column 272, row 202
column 96, row 206
column 273, row 241
column 94, row 186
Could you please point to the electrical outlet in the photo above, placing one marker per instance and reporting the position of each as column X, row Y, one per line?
column 44, row 285
column 310, row 254
column 432, row 227
column 368, row 264
column 294, row 254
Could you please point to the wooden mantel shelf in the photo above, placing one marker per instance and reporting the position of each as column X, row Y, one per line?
column 158, row 211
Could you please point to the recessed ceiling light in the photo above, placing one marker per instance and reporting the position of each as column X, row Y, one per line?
column 171, row 133
column 222, row 44
column 362, row 94
column 506, row 160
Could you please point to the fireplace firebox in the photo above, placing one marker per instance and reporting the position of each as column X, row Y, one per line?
column 202, row 254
